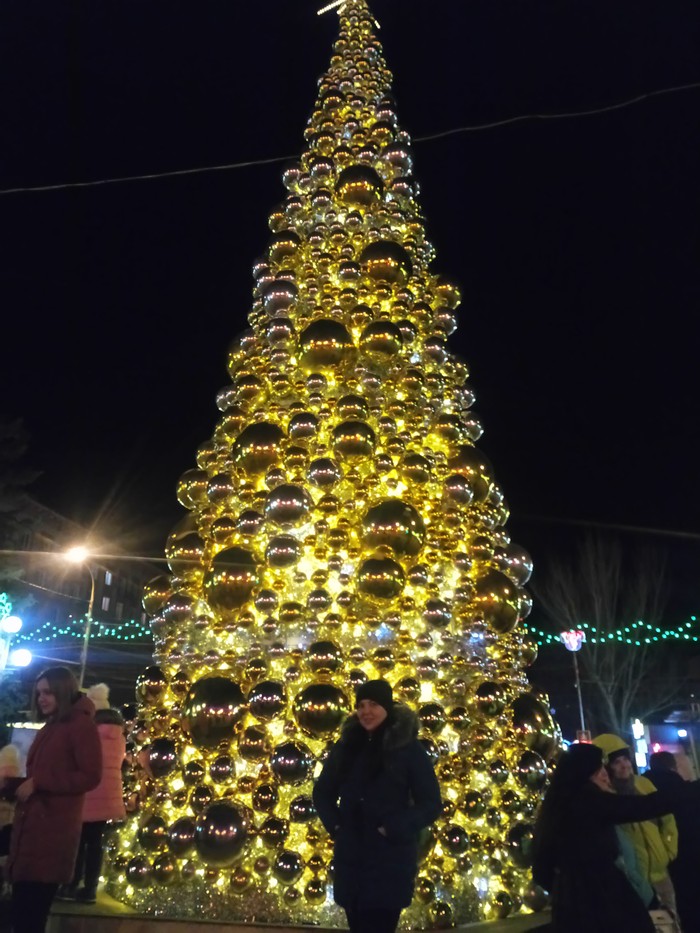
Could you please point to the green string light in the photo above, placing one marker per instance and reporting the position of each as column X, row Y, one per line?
column 638, row 633
column 129, row 630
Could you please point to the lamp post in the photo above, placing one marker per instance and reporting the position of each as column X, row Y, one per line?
column 80, row 555
column 573, row 641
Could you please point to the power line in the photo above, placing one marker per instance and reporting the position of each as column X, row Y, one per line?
column 419, row 139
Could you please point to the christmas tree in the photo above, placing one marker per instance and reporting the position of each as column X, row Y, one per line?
column 342, row 526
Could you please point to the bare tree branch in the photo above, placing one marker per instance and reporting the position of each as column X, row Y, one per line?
column 607, row 589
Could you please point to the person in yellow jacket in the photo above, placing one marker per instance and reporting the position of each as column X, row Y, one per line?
column 655, row 841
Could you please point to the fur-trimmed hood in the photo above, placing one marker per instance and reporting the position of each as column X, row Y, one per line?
column 401, row 730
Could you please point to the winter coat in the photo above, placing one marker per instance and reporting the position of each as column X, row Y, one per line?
column 656, row 841
column 106, row 801
column 685, row 870
column 575, row 856
column 354, row 800
column 65, row 761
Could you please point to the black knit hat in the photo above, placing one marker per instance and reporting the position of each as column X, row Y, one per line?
column 379, row 691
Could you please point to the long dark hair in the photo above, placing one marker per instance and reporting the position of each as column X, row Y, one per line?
column 63, row 686
column 574, row 769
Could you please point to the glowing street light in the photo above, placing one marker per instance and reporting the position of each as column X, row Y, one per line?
column 80, row 555
column 9, row 626
column 573, row 641
column 20, row 657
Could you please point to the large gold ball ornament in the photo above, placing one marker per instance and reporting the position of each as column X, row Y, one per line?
column 323, row 343
column 274, row 832
column 253, row 744
column 516, row 563
column 395, row 524
column 491, row 698
column 291, row 762
column 279, row 296
column 221, row 833
column 531, row 771
column 161, row 757
column 381, row 338
column 497, row 601
column 267, row 700
column 534, row 724
column 324, row 657
column 315, row 891
column 231, row 580
column 455, row 839
column 138, row 872
column 200, row 798
column 153, row 833
column 287, row 505
column 265, row 798
column 288, row 866
column 283, row 551
column 181, row 836
column 211, row 710
column 359, row 186
column 320, row 709
column 472, row 464
column 386, row 261
column 155, row 593
column 222, row 770
column 151, row 686
column 381, row 578
column 441, row 915
column 258, row 447
column 192, row 488
column 520, row 844
column 164, row 869
column 535, row 898
column 354, row 440
column 302, row 809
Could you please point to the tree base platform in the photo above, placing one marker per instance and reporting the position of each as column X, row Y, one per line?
column 109, row 916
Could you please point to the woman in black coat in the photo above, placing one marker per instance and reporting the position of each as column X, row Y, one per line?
column 376, row 792
column 576, row 854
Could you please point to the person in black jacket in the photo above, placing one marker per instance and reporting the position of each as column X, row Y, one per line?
column 685, row 869
column 575, row 851
column 376, row 791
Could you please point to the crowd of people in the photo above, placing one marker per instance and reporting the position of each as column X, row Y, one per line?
column 618, row 852
column 53, row 817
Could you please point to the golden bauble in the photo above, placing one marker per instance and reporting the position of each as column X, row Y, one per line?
column 395, row 524
column 258, row 447
column 231, row 580
column 320, row 709
column 323, row 343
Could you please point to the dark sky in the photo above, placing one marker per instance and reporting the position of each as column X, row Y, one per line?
column 575, row 240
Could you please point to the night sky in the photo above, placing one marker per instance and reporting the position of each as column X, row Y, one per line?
column 575, row 240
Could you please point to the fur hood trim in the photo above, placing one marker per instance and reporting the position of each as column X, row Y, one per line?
column 402, row 728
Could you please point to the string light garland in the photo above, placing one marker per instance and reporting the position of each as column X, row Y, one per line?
column 637, row 633
column 341, row 525
column 130, row 630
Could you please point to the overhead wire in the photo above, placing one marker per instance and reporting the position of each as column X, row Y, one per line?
column 230, row 166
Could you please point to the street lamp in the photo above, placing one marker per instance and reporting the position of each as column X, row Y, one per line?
column 80, row 555
column 9, row 626
column 573, row 641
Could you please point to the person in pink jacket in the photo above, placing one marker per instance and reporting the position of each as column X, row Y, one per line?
column 64, row 762
column 103, row 803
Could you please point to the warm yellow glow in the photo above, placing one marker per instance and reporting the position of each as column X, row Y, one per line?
column 77, row 554
column 341, row 524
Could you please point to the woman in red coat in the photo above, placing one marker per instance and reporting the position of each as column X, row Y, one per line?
column 103, row 804
column 64, row 761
